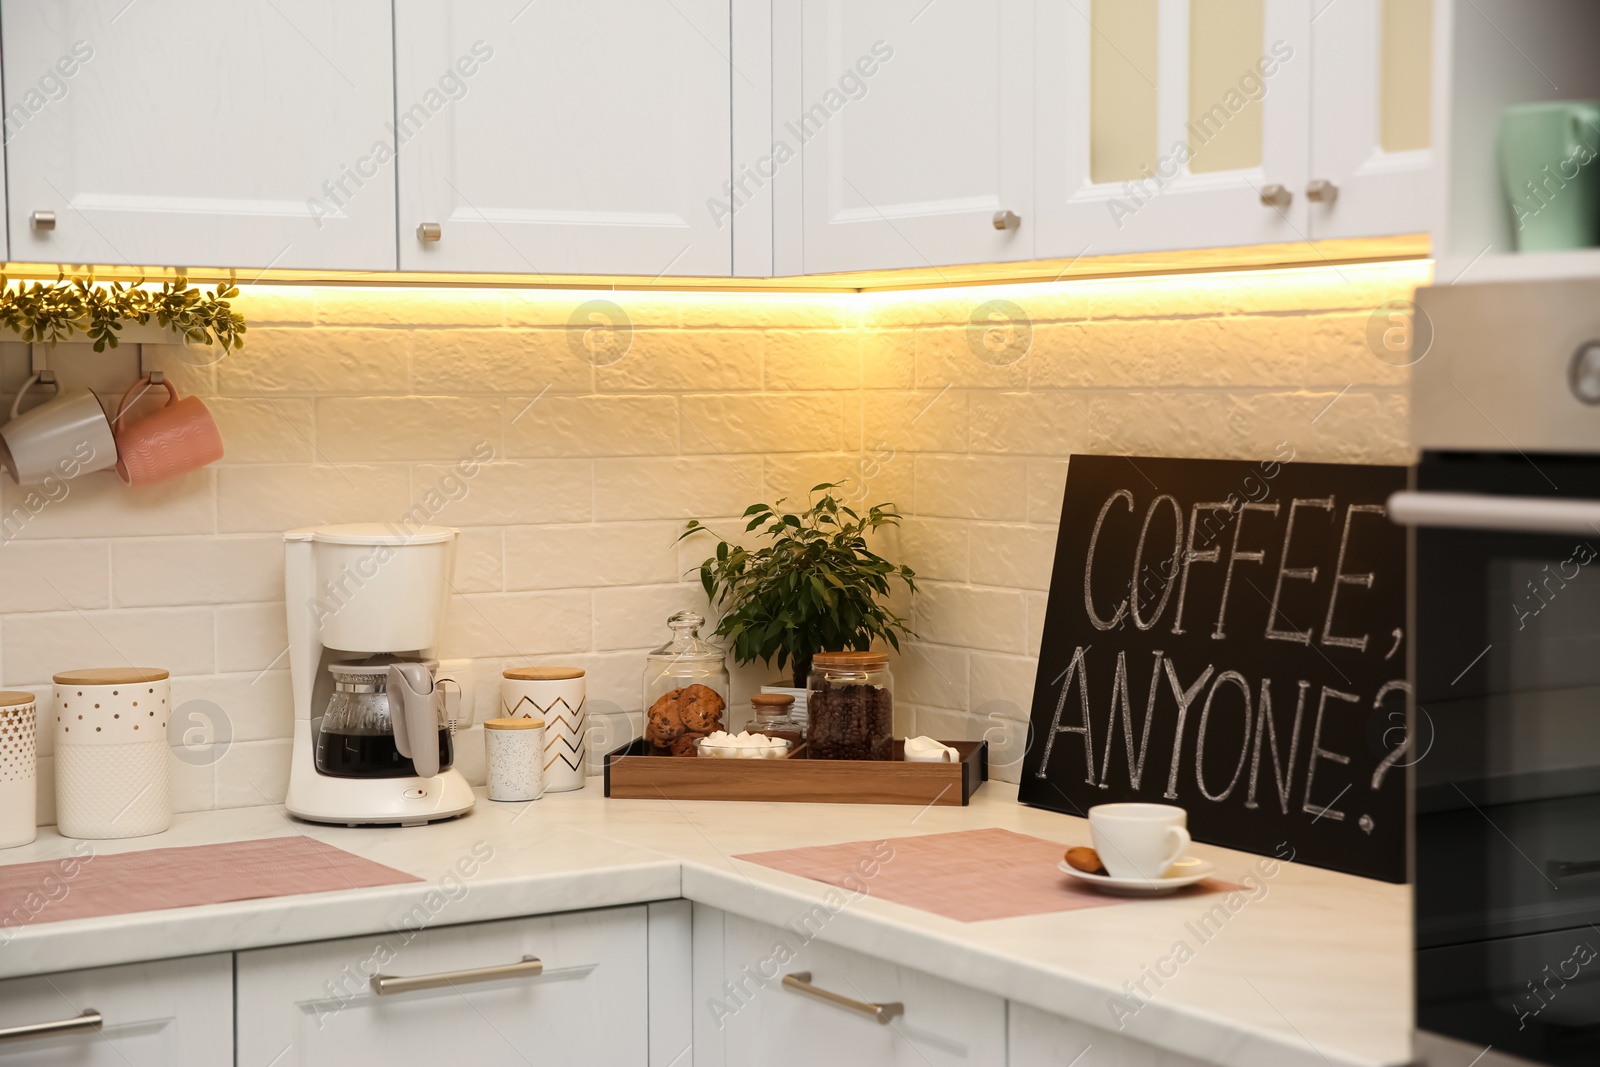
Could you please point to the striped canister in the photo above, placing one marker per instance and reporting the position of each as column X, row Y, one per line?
column 556, row 695
column 19, row 773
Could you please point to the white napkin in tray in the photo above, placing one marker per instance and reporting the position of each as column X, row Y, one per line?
column 927, row 750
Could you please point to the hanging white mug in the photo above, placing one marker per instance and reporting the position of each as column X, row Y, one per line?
column 64, row 437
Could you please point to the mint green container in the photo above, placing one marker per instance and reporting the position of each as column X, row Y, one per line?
column 1550, row 174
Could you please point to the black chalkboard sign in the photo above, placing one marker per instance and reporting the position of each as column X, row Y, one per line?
column 1228, row 636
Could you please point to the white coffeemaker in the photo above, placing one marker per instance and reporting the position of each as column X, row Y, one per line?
column 373, row 733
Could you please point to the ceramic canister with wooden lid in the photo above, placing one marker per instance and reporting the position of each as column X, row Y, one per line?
column 556, row 695
column 19, row 772
column 112, row 776
column 515, row 756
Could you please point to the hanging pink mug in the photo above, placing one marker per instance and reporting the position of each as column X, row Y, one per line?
column 177, row 438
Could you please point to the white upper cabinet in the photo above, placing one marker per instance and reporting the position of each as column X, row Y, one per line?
column 1371, row 85
column 914, row 127
column 1171, row 124
column 564, row 137
column 238, row 134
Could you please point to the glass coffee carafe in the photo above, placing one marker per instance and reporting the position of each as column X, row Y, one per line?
column 376, row 710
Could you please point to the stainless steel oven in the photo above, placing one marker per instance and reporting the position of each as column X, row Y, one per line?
column 1504, row 510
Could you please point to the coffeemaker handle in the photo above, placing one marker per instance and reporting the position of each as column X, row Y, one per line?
column 416, row 719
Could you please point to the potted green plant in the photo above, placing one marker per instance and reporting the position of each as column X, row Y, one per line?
column 816, row 587
column 51, row 312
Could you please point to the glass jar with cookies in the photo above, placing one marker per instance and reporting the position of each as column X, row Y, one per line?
column 685, row 689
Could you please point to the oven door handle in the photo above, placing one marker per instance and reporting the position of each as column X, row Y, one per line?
column 1480, row 511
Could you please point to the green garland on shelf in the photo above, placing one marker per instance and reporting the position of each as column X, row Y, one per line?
column 53, row 312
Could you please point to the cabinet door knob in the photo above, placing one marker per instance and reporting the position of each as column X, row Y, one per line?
column 428, row 231
column 42, row 220
column 1322, row 191
column 1276, row 196
column 1007, row 220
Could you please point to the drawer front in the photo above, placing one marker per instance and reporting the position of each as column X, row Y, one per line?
column 315, row 1004
column 171, row 1013
column 1039, row 1040
column 763, row 1021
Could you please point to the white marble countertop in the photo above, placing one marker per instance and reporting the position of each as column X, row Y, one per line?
column 1315, row 969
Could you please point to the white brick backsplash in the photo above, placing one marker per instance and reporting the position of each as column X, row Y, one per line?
column 355, row 405
column 675, row 488
column 1020, row 557
column 970, row 617
column 232, row 707
column 636, row 616
column 496, row 362
column 213, row 570
column 411, row 427
column 318, row 363
column 37, row 646
column 480, row 563
column 551, row 425
column 275, row 499
column 252, row 773
column 99, row 505
column 54, row 575
column 264, row 429
column 571, row 557
column 728, row 424
column 502, row 494
column 516, row 624
column 252, row 637
column 971, row 487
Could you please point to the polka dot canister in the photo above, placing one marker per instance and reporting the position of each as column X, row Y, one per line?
column 112, row 774
column 19, row 771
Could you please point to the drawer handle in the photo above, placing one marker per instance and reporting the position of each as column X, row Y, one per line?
column 1568, row 868
column 800, row 982
column 387, row 984
column 87, row 1023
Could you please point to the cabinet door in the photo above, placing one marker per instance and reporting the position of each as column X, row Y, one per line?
column 1162, row 124
column 1037, row 1039
column 172, row 1013
column 1371, row 90
column 564, row 136
column 243, row 134
column 914, row 127
column 764, row 1022
column 314, row 1004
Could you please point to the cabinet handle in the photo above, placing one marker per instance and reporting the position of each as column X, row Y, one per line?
column 1007, row 220
column 42, row 220
column 800, row 982
column 386, row 984
column 87, row 1023
column 1276, row 196
column 429, row 231
column 1322, row 191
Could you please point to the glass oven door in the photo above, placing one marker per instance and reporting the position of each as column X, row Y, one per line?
column 1506, row 748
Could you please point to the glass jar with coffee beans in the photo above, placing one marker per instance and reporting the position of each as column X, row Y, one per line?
column 850, row 701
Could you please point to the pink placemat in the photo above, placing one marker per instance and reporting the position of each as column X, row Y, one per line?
column 968, row 876
column 87, row 885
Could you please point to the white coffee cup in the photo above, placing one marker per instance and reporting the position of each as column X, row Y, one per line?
column 1139, row 840
column 64, row 437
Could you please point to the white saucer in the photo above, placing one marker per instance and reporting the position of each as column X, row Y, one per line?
column 1187, row 871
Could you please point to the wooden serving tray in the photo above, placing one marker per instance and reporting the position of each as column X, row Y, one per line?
column 632, row 774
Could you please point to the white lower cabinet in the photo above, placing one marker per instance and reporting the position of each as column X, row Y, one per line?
column 823, row 1015
column 172, row 1013
column 314, row 1004
column 1038, row 1039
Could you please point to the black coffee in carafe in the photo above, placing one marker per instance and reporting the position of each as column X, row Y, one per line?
column 371, row 755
